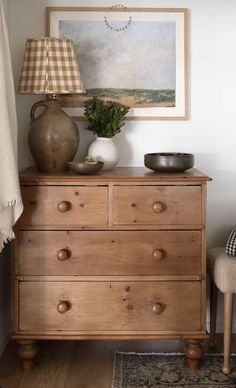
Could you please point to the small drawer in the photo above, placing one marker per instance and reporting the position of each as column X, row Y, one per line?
column 111, row 306
column 162, row 205
column 109, row 253
column 65, row 206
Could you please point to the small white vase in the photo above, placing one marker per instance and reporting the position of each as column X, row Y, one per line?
column 104, row 150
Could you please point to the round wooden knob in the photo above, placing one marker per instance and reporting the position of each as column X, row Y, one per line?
column 157, row 308
column 158, row 254
column 157, row 207
column 63, row 306
column 63, row 254
column 63, row 206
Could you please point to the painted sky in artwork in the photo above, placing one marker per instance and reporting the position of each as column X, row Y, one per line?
column 141, row 57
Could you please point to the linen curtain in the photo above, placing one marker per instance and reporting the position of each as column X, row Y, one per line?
column 10, row 198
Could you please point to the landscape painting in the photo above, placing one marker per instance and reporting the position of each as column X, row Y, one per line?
column 127, row 56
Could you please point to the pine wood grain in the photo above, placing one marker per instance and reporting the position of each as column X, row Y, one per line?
column 136, row 205
column 85, row 205
column 117, row 175
column 96, row 253
column 154, row 307
column 87, row 245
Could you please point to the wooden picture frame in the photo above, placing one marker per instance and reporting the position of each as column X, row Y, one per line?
column 135, row 56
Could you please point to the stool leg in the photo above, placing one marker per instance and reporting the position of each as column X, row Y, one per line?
column 228, row 314
column 213, row 312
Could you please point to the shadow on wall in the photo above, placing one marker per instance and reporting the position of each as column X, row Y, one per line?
column 86, row 137
column 221, row 209
column 124, row 148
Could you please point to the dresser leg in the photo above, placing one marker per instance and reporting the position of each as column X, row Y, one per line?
column 193, row 353
column 27, row 351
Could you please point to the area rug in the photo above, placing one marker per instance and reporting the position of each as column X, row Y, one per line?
column 154, row 370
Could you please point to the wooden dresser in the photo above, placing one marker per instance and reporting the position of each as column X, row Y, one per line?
column 117, row 255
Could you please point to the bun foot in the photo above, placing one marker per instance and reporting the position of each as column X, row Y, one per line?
column 193, row 353
column 27, row 351
column 211, row 344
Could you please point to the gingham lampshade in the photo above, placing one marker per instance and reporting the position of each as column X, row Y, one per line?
column 50, row 67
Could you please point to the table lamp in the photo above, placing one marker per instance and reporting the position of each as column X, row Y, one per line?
column 50, row 67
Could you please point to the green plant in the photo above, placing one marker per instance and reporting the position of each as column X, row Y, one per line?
column 105, row 118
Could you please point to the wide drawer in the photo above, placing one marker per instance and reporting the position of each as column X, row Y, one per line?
column 109, row 252
column 162, row 205
column 110, row 306
column 64, row 206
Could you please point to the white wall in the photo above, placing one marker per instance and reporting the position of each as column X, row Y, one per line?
column 210, row 131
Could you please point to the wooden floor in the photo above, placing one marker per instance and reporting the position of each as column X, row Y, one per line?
column 78, row 364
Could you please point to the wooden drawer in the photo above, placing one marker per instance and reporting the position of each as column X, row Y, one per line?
column 109, row 253
column 58, row 206
column 162, row 205
column 111, row 306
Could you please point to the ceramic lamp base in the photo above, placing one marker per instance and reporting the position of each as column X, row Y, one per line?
column 53, row 137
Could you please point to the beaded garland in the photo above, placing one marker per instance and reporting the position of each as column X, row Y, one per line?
column 121, row 28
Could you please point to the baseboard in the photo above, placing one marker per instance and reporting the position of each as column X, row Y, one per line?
column 4, row 339
column 220, row 327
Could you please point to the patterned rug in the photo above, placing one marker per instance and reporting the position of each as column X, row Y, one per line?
column 138, row 370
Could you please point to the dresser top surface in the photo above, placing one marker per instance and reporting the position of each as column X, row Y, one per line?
column 118, row 174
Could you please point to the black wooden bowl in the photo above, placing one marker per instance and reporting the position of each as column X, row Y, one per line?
column 169, row 161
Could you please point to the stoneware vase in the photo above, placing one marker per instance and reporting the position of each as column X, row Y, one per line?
column 53, row 137
column 104, row 150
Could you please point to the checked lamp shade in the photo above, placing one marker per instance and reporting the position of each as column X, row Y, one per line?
column 50, row 67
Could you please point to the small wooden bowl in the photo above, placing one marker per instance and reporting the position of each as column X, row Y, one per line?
column 85, row 168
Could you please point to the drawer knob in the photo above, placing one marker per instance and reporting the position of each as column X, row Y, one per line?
column 157, row 308
column 63, row 306
column 157, row 207
column 63, row 254
column 63, row 206
column 158, row 254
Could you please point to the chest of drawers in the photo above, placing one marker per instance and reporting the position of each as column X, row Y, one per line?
column 117, row 255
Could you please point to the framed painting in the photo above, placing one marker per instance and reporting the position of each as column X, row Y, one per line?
column 135, row 56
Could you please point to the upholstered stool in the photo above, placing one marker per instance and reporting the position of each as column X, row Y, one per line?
column 222, row 270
